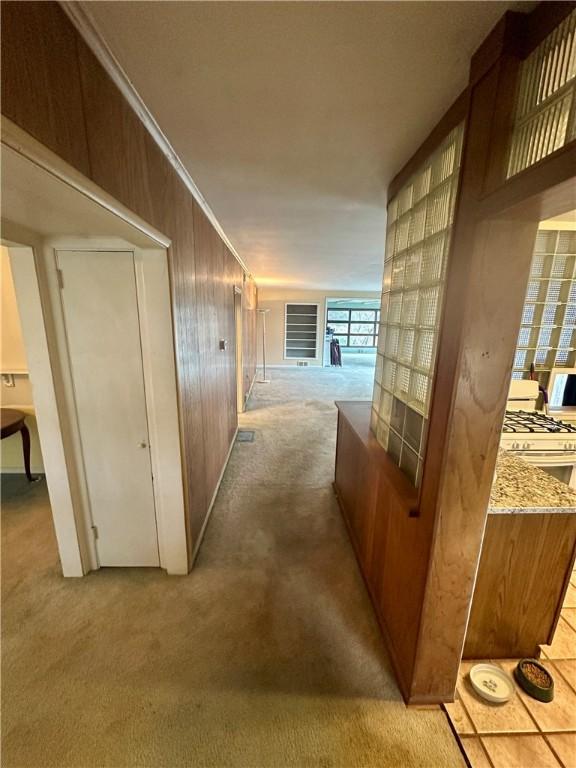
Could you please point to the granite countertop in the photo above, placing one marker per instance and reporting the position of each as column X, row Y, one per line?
column 523, row 488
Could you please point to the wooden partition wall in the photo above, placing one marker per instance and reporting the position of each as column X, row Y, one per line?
column 419, row 548
column 54, row 88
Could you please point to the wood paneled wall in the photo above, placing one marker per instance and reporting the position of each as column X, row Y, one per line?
column 54, row 88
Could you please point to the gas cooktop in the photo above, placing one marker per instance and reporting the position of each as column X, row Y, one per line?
column 534, row 421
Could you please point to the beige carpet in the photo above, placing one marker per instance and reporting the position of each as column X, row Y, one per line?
column 268, row 654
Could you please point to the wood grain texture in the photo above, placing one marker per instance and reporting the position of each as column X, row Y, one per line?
column 54, row 88
column 516, row 751
column 520, row 584
column 41, row 89
column 215, row 279
column 377, row 517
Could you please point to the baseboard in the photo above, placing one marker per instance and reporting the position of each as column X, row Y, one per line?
column 289, row 365
column 20, row 471
column 209, row 512
column 251, row 387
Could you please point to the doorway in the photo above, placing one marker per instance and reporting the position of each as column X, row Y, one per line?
column 97, row 328
column 105, row 355
column 21, row 464
column 240, row 398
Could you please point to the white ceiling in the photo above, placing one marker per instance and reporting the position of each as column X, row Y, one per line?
column 293, row 117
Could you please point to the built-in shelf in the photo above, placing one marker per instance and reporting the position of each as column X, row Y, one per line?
column 301, row 332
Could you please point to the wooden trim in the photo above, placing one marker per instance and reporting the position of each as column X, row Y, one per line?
column 83, row 21
column 504, row 109
column 455, row 114
column 541, row 21
column 70, row 525
column 504, row 38
column 554, row 173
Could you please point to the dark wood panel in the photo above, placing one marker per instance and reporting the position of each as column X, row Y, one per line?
column 525, row 564
column 117, row 142
column 389, row 543
column 41, row 89
column 193, row 439
column 216, row 273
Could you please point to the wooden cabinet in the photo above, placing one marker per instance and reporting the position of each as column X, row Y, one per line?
column 524, row 570
column 390, row 543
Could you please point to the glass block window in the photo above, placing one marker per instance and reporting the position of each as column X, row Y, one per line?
column 544, row 119
column 547, row 336
column 417, row 242
column 354, row 327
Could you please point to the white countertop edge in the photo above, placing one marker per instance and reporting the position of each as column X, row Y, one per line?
column 531, row 510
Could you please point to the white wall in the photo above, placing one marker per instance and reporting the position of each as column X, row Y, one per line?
column 275, row 300
column 13, row 361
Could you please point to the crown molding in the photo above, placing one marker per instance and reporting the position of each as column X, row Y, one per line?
column 87, row 28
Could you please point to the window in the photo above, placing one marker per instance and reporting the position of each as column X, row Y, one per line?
column 417, row 243
column 301, row 331
column 547, row 336
column 354, row 327
column 544, row 119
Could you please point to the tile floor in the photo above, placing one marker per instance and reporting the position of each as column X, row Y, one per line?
column 524, row 733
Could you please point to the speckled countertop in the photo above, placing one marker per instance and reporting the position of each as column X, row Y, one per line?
column 523, row 488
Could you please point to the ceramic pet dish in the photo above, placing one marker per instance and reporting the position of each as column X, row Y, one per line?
column 491, row 683
column 535, row 679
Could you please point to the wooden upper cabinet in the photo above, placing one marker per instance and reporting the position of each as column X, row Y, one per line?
column 41, row 91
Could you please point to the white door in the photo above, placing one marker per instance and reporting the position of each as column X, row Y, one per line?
column 101, row 315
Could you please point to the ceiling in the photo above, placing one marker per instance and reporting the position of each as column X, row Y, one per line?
column 293, row 117
column 564, row 221
column 366, row 303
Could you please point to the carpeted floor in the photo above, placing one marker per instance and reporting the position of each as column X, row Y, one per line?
column 268, row 654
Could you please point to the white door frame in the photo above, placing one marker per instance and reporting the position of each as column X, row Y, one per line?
column 238, row 341
column 38, row 297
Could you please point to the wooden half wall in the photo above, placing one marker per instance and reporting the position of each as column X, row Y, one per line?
column 54, row 88
column 419, row 549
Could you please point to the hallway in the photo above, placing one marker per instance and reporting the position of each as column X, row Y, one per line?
column 268, row 654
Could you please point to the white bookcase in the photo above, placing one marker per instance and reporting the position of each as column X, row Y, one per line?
column 301, row 332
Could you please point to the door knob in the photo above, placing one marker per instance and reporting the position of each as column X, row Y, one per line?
column 143, row 444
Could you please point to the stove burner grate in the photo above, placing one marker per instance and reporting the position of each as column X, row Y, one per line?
column 533, row 421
